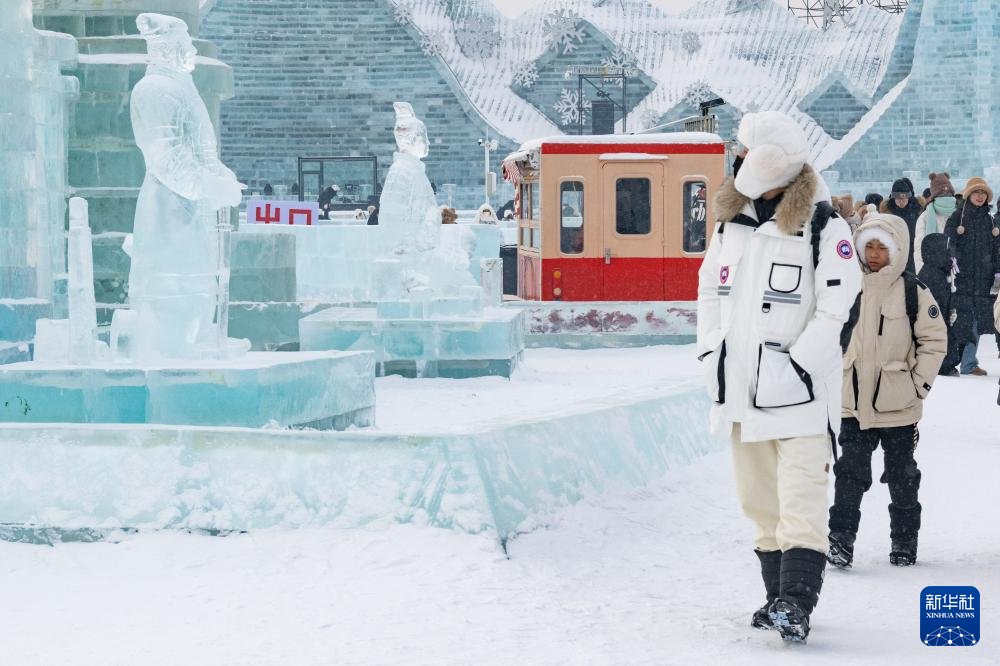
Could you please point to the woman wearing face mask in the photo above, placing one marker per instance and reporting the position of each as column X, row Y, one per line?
column 940, row 206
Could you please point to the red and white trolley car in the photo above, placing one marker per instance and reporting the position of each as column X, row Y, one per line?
column 614, row 217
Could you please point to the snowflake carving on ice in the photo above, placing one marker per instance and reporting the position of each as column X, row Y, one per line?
column 402, row 14
column 561, row 30
column 691, row 42
column 525, row 74
column 618, row 60
column 568, row 107
column 433, row 44
column 649, row 118
column 478, row 37
column 697, row 93
column 737, row 6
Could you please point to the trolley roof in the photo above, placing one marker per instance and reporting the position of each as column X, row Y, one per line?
column 667, row 142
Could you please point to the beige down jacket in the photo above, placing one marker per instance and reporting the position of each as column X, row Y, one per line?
column 886, row 373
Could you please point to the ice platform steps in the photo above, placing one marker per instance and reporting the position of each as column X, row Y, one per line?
column 323, row 390
column 555, row 324
column 448, row 338
column 500, row 475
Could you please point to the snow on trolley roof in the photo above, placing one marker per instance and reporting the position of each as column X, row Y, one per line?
column 604, row 140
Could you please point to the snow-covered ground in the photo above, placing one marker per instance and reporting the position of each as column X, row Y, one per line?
column 661, row 575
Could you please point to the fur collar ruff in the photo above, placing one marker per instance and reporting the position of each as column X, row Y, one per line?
column 794, row 211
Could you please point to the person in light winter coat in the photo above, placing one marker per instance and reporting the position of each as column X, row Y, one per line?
column 844, row 205
column 975, row 237
column 769, row 322
column 889, row 368
column 940, row 206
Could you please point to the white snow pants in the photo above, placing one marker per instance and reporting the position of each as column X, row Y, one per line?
column 782, row 487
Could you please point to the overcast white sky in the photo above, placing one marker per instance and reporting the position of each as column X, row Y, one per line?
column 513, row 8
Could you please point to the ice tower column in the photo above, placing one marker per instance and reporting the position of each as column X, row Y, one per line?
column 82, row 309
column 18, row 249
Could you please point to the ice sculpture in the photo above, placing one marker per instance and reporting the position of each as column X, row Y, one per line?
column 176, row 282
column 412, row 220
column 431, row 317
column 80, row 291
column 74, row 341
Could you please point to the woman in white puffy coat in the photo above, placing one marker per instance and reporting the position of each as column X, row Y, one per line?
column 770, row 314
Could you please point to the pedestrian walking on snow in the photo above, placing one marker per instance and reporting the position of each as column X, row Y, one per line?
column 904, row 203
column 938, row 274
column 975, row 238
column 897, row 343
column 940, row 205
column 774, row 291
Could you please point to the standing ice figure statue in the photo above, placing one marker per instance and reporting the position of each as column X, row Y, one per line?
column 412, row 219
column 176, row 278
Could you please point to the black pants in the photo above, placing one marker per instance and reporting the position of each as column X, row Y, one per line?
column 953, row 356
column 854, row 477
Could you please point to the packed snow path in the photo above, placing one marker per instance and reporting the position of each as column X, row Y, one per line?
column 662, row 575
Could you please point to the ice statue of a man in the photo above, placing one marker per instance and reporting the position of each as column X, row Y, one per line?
column 173, row 282
column 411, row 216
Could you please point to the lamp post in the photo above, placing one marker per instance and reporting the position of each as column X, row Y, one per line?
column 489, row 178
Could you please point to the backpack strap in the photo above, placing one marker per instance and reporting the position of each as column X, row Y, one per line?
column 852, row 321
column 910, row 285
column 824, row 211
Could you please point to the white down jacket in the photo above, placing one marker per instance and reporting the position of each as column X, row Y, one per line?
column 769, row 323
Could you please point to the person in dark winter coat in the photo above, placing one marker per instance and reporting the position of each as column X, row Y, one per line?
column 902, row 202
column 937, row 273
column 326, row 199
column 975, row 238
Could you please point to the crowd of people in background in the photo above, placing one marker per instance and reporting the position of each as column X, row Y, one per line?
column 954, row 250
column 332, row 196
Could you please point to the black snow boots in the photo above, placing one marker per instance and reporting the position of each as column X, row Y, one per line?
column 841, row 553
column 903, row 553
column 800, row 583
column 770, row 571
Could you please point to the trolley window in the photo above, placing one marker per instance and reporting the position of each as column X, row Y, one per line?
column 536, row 201
column 632, row 206
column 695, row 214
column 525, row 201
column 571, row 218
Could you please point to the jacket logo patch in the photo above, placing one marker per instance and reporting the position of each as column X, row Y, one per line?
column 724, row 274
column 845, row 249
column 933, row 311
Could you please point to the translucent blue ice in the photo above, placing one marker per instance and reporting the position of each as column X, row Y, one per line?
column 497, row 477
column 174, row 278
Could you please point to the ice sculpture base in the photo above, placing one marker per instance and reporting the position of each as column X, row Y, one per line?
column 503, row 476
column 323, row 390
column 489, row 342
column 17, row 326
column 590, row 325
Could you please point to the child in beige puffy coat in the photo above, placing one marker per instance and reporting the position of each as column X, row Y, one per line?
column 893, row 357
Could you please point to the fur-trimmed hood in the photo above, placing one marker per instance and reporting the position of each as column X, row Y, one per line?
column 794, row 211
